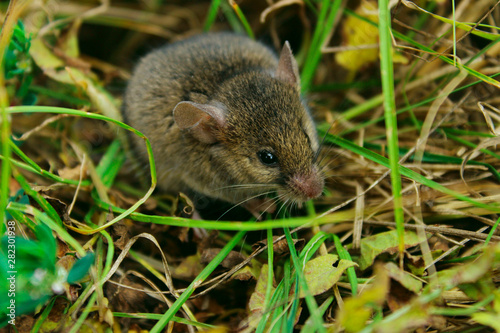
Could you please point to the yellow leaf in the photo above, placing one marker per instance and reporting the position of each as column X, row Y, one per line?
column 365, row 303
column 356, row 32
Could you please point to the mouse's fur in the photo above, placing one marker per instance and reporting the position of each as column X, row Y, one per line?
column 209, row 104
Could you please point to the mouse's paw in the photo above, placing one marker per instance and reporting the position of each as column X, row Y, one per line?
column 259, row 206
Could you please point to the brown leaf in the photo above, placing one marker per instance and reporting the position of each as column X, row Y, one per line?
column 66, row 262
column 208, row 241
column 183, row 234
column 415, row 263
column 24, row 324
column 13, row 187
column 126, row 299
column 244, row 274
column 280, row 248
column 73, row 292
column 121, row 231
column 398, row 296
column 62, row 249
column 72, row 173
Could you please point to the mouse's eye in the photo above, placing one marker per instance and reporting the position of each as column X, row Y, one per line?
column 267, row 158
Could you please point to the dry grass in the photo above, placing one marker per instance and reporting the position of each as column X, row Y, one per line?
column 436, row 276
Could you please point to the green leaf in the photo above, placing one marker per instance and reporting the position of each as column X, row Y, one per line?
column 20, row 197
column 385, row 242
column 257, row 301
column 321, row 274
column 29, row 253
column 47, row 241
column 80, row 268
column 471, row 272
column 111, row 163
column 489, row 319
column 404, row 278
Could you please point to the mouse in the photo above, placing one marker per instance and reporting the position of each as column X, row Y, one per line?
column 226, row 120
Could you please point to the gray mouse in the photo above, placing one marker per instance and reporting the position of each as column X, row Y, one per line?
column 225, row 119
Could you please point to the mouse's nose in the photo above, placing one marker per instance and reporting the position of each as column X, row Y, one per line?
column 307, row 185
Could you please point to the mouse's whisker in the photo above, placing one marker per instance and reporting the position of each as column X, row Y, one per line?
column 292, row 206
column 265, row 210
column 243, row 201
column 244, row 186
column 286, row 199
column 331, row 158
column 326, row 167
column 282, row 206
column 323, row 141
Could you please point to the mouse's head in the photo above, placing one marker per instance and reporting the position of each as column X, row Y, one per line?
column 261, row 136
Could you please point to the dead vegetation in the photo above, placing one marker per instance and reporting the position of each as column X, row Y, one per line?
column 349, row 265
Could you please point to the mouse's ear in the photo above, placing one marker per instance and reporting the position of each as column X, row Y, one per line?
column 288, row 70
column 200, row 120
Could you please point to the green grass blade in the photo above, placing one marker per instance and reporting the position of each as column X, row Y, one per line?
column 44, row 315
column 61, row 96
column 23, row 219
column 492, row 232
column 443, row 159
column 160, row 325
column 292, row 313
column 312, row 246
column 242, row 18
column 336, row 217
column 111, row 163
column 391, row 123
column 232, row 18
column 310, row 301
column 322, row 310
column 362, row 108
column 328, row 13
column 212, row 14
column 472, row 309
column 351, row 271
column 470, row 144
column 269, row 288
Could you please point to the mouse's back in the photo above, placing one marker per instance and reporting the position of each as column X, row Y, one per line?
column 193, row 70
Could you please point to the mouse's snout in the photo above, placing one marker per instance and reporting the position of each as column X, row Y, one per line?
column 307, row 186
